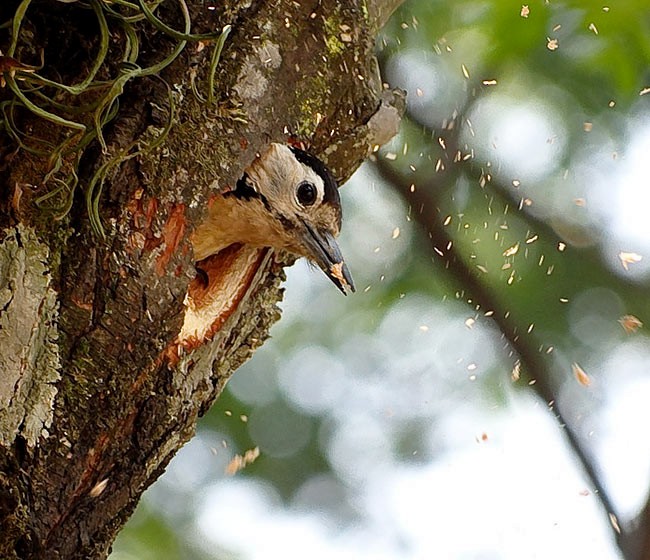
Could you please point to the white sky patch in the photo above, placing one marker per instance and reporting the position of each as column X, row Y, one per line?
column 313, row 379
column 463, row 506
column 522, row 139
column 629, row 203
column 632, row 188
column 230, row 512
column 613, row 178
column 623, row 425
column 417, row 73
column 433, row 92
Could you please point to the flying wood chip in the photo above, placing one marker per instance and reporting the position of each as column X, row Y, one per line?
column 630, row 323
column 629, row 258
column 581, row 375
column 515, row 375
column 239, row 462
column 510, row 251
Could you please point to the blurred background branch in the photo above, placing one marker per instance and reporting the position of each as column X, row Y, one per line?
column 524, row 348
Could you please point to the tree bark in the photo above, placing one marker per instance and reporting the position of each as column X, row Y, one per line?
column 97, row 391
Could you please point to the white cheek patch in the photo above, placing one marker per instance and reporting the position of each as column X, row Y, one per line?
column 277, row 174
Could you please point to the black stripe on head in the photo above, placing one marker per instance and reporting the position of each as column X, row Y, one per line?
column 331, row 192
column 244, row 191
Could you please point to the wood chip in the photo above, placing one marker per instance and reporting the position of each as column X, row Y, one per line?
column 98, row 488
column 581, row 375
column 630, row 323
column 510, row 251
column 629, row 258
column 337, row 272
column 515, row 374
column 240, row 461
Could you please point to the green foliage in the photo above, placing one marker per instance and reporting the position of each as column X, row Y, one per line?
column 595, row 75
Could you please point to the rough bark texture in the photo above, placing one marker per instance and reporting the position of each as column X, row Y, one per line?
column 93, row 403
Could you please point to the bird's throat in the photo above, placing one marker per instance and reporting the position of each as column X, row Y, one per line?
column 222, row 226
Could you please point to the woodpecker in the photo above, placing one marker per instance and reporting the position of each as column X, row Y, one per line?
column 286, row 199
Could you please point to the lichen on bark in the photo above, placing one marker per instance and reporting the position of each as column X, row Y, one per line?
column 29, row 360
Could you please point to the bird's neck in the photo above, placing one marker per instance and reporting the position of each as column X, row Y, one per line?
column 230, row 220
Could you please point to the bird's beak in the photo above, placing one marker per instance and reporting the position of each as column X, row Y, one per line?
column 323, row 250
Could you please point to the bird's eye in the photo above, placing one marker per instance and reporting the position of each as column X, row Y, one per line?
column 306, row 193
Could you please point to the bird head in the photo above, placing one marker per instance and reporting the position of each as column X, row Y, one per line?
column 297, row 207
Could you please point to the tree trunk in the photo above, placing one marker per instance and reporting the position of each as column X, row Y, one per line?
column 99, row 386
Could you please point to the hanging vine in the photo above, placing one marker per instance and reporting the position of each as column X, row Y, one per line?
column 81, row 111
